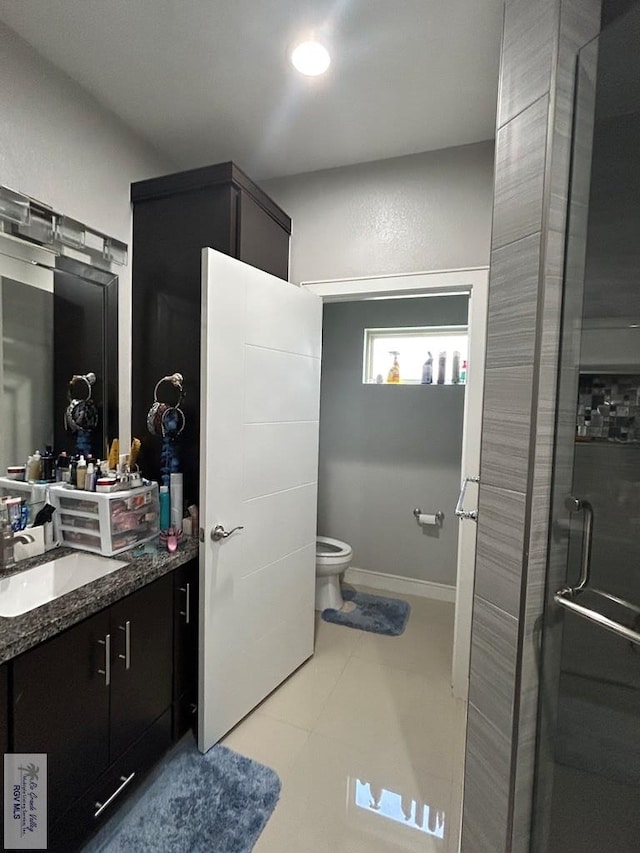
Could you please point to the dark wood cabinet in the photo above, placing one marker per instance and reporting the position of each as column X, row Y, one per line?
column 61, row 707
column 185, row 648
column 4, row 725
column 142, row 665
column 4, row 707
column 97, row 699
column 174, row 218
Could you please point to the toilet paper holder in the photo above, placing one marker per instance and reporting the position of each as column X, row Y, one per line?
column 439, row 515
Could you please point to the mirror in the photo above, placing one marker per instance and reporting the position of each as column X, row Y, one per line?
column 58, row 318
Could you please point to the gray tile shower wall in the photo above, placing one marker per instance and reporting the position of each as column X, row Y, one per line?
column 519, row 176
column 540, row 44
column 511, row 334
column 527, row 55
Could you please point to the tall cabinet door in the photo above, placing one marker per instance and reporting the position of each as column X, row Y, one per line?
column 262, row 241
column 141, row 672
column 61, row 707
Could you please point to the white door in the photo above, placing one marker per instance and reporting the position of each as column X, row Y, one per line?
column 260, row 398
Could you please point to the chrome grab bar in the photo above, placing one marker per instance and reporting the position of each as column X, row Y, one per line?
column 566, row 598
column 460, row 511
column 568, row 595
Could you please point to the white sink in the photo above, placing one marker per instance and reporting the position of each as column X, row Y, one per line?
column 32, row 588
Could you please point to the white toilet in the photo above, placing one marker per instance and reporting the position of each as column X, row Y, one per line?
column 332, row 560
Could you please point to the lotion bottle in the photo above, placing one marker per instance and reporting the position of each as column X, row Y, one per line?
column 81, row 473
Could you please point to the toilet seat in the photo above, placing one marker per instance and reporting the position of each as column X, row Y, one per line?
column 332, row 550
column 333, row 558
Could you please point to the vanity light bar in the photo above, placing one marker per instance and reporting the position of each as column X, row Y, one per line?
column 30, row 218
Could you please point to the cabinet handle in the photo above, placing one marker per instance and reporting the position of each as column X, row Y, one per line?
column 102, row 806
column 126, row 657
column 107, row 659
column 187, row 611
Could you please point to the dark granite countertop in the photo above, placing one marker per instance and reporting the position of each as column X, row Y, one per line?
column 20, row 633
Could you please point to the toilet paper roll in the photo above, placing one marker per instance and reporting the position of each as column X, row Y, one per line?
column 424, row 518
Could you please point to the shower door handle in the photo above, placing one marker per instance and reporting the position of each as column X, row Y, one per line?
column 568, row 597
column 460, row 511
column 574, row 504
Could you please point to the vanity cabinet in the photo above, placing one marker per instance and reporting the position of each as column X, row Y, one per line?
column 174, row 218
column 185, row 647
column 4, row 726
column 97, row 699
column 61, row 707
column 4, row 722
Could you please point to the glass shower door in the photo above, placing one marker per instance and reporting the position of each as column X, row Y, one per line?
column 588, row 768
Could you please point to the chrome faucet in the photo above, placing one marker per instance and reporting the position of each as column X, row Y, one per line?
column 7, row 541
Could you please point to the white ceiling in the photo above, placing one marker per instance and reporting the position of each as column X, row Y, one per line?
column 206, row 81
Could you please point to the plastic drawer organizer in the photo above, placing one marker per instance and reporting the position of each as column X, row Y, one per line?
column 105, row 523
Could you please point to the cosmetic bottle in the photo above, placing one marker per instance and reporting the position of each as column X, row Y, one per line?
column 394, row 372
column 73, row 472
column 165, row 508
column 463, row 373
column 48, row 465
column 442, row 366
column 455, row 370
column 177, row 505
column 81, row 473
column 90, row 481
column 34, row 466
column 62, row 466
column 427, row 370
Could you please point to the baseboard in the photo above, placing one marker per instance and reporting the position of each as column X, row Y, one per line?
column 396, row 583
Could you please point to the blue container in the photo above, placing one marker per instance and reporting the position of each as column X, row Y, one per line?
column 165, row 508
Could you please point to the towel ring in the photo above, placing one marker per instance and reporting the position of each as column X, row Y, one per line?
column 89, row 380
column 160, row 417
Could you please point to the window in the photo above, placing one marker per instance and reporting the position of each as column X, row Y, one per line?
column 426, row 355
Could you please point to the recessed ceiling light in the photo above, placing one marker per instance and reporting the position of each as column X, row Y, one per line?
column 310, row 58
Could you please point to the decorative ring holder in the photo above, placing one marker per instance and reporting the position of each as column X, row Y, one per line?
column 166, row 420
column 81, row 414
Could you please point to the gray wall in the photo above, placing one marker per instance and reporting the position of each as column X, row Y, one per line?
column 386, row 449
column 60, row 146
column 421, row 212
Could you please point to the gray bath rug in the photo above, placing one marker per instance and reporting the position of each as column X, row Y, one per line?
column 214, row 803
column 373, row 613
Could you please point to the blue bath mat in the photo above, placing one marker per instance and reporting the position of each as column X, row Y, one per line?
column 214, row 803
column 372, row 613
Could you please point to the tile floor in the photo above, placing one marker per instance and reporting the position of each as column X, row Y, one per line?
column 367, row 740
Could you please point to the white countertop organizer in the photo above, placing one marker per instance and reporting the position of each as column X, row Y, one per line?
column 105, row 523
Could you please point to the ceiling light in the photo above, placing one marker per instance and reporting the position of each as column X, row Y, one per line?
column 310, row 58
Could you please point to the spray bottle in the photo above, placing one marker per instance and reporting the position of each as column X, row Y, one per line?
column 394, row 372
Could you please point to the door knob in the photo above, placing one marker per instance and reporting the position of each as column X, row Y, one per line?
column 219, row 532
